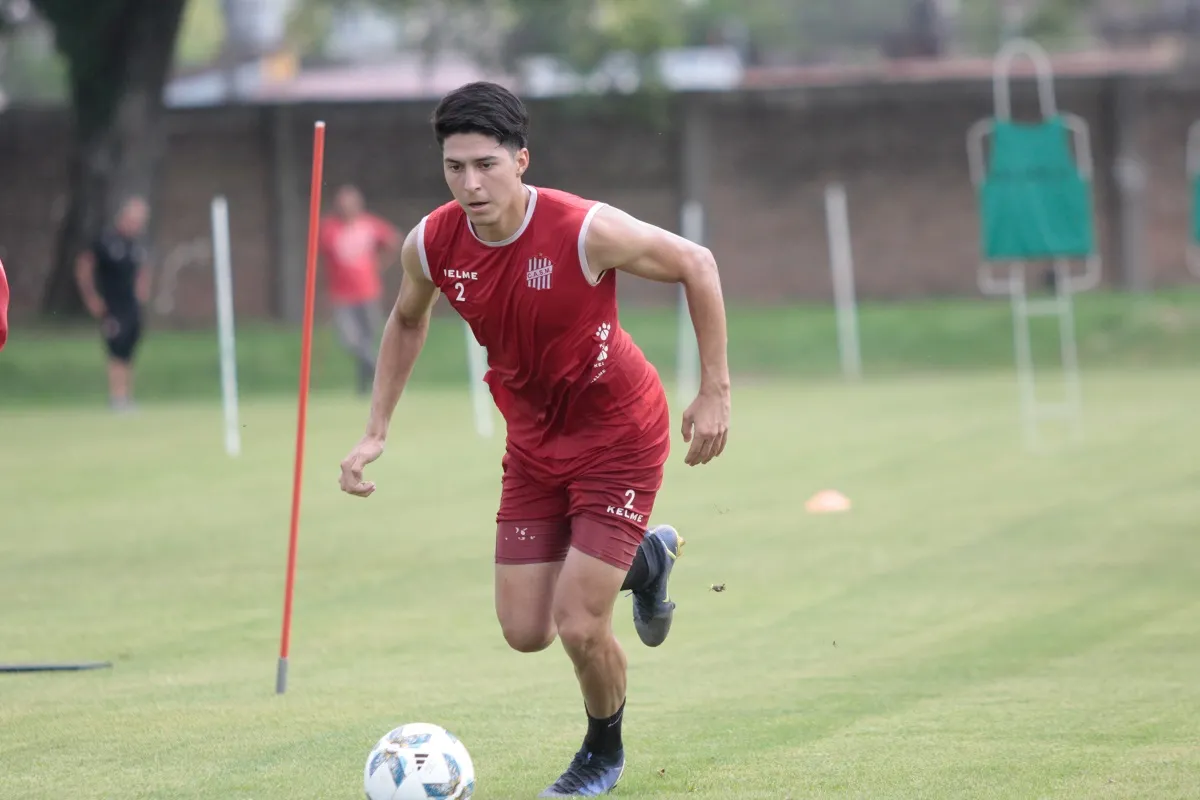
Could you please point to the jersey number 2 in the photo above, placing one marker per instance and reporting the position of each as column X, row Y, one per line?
column 461, row 291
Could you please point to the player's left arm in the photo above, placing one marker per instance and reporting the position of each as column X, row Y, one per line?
column 617, row 240
column 143, row 283
column 389, row 241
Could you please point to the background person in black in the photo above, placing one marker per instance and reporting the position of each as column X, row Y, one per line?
column 114, row 282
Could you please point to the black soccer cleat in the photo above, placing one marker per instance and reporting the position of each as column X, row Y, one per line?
column 653, row 609
column 590, row 775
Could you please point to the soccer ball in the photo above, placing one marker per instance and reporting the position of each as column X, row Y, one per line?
column 419, row 761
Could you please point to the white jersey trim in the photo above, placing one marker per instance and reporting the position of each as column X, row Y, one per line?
column 583, row 259
column 533, row 195
column 421, row 248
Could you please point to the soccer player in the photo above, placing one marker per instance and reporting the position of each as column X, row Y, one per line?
column 114, row 282
column 356, row 245
column 531, row 270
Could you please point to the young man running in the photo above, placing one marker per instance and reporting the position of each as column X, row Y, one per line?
column 531, row 271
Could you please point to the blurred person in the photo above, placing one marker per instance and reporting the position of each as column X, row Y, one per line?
column 356, row 246
column 114, row 281
column 3, row 307
column 532, row 271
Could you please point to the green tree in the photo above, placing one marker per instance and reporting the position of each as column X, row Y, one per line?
column 118, row 55
column 581, row 33
column 202, row 33
column 1055, row 22
column 497, row 32
column 584, row 31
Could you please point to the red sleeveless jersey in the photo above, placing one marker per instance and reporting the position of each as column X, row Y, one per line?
column 564, row 374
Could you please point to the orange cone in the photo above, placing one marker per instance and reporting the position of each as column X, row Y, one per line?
column 827, row 502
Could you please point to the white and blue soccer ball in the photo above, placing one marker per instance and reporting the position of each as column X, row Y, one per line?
column 419, row 761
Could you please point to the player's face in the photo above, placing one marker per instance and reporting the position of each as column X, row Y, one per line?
column 133, row 217
column 349, row 202
column 483, row 175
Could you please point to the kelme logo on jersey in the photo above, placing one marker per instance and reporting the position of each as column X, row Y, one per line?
column 625, row 513
column 539, row 272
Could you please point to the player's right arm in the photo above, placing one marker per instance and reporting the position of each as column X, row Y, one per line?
column 403, row 337
column 85, row 279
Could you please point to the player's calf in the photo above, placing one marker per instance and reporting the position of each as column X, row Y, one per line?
column 583, row 616
column 653, row 609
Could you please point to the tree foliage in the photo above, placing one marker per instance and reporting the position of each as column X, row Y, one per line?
column 202, row 33
column 582, row 32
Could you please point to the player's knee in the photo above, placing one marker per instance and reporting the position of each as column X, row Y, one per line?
column 528, row 640
column 525, row 637
column 582, row 633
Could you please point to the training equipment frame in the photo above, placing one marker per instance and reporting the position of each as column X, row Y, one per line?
column 1013, row 281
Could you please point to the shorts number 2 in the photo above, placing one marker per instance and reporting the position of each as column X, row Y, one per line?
column 631, row 494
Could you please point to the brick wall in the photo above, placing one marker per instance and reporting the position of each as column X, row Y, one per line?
column 899, row 151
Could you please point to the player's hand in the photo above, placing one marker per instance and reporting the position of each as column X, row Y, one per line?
column 363, row 453
column 706, row 426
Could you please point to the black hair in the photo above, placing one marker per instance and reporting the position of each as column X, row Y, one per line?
column 486, row 108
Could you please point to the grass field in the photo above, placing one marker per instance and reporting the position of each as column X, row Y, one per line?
column 1114, row 330
column 985, row 623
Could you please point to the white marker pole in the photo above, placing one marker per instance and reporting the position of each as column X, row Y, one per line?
column 481, row 398
column 224, row 284
column 687, row 350
column 841, row 262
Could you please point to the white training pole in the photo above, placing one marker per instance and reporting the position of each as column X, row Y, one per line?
column 224, row 280
column 688, row 351
column 841, row 263
column 481, row 398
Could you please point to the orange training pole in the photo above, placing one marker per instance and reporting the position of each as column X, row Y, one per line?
column 310, row 280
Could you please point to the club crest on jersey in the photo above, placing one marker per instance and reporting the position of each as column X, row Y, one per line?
column 539, row 272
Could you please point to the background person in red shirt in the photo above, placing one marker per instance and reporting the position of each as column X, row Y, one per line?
column 356, row 246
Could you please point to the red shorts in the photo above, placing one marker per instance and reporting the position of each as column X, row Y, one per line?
column 600, row 507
